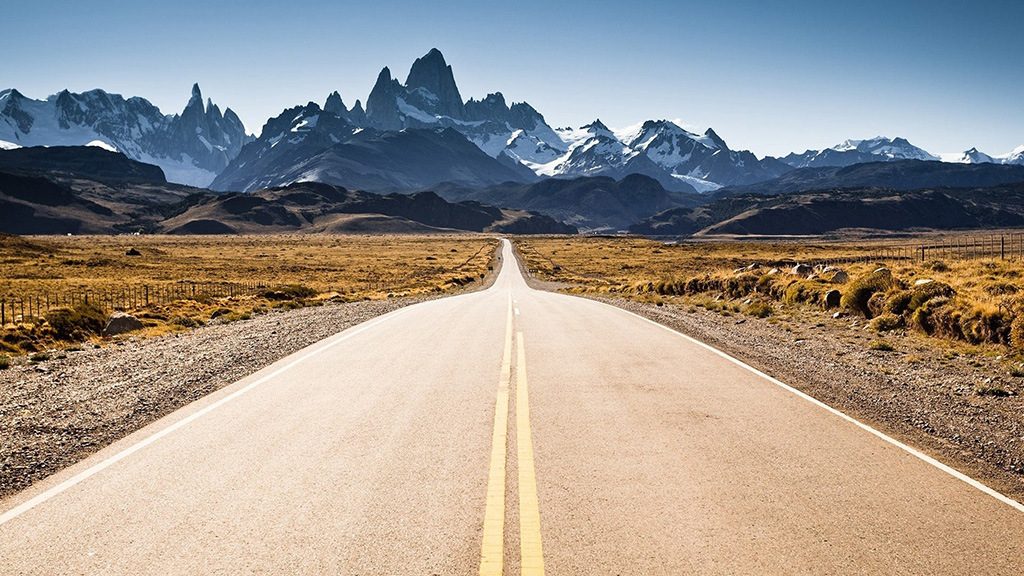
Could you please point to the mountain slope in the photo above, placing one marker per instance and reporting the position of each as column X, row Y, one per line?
column 825, row 211
column 317, row 207
column 897, row 175
column 371, row 160
column 591, row 204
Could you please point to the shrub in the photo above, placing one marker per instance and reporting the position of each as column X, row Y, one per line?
column 886, row 322
column 897, row 301
column 186, row 322
column 5, row 362
column 938, row 266
column 881, row 346
column 863, row 288
column 221, row 312
column 759, row 309
column 925, row 292
column 289, row 292
column 39, row 357
column 76, row 323
column 1017, row 332
column 990, row 389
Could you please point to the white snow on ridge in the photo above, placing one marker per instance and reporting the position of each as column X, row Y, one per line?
column 5, row 145
column 103, row 145
column 702, row 186
column 414, row 112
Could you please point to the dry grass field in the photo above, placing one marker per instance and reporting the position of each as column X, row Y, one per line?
column 269, row 271
column 974, row 302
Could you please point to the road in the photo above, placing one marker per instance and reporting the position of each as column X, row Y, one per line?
column 508, row 431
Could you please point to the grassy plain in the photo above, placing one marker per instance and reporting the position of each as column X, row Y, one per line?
column 976, row 302
column 315, row 268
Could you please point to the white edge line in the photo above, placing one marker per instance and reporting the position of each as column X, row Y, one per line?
column 85, row 474
column 926, row 458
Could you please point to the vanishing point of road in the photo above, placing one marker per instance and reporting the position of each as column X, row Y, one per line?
column 509, row 431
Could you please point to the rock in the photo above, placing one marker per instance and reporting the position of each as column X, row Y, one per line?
column 840, row 277
column 773, row 271
column 133, row 252
column 838, row 315
column 832, row 299
column 923, row 281
column 801, row 270
column 120, row 323
column 883, row 271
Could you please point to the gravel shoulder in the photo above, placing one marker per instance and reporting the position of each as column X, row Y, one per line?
column 58, row 412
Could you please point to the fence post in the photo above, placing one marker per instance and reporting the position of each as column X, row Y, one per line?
column 3, row 312
column 1002, row 248
column 922, row 253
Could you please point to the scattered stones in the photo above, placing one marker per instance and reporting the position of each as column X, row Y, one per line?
column 121, row 323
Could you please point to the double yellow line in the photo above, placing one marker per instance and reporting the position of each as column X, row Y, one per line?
column 492, row 548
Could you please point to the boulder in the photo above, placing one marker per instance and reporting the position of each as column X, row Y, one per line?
column 133, row 252
column 773, row 271
column 801, row 270
column 840, row 277
column 883, row 271
column 923, row 281
column 120, row 323
column 832, row 299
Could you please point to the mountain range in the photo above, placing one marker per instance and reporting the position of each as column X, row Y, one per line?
column 191, row 147
column 408, row 135
column 89, row 190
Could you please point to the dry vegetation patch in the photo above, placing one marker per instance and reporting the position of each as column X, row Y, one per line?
column 278, row 271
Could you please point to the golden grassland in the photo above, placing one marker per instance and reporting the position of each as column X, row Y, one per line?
column 971, row 301
column 313, row 268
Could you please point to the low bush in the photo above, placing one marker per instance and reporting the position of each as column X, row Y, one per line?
column 863, row 288
column 759, row 309
column 881, row 346
column 5, row 362
column 289, row 292
column 886, row 322
column 76, row 323
column 990, row 389
column 186, row 322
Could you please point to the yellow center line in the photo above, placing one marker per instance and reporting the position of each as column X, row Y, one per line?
column 492, row 550
column 532, row 557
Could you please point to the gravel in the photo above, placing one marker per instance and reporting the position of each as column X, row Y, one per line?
column 919, row 393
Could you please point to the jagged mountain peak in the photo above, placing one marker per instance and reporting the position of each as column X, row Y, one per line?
column 335, row 105
column 714, row 137
column 432, row 74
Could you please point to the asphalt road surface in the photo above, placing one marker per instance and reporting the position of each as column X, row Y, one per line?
column 509, row 431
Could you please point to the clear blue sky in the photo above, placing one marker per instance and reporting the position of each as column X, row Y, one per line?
column 771, row 77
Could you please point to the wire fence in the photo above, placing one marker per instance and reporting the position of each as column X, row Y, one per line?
column 16, row 309
column 951, row 249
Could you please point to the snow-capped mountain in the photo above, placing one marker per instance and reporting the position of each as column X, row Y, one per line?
column 191, row 147
column 430, row 98
column 878, row 149
column 975, row 156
